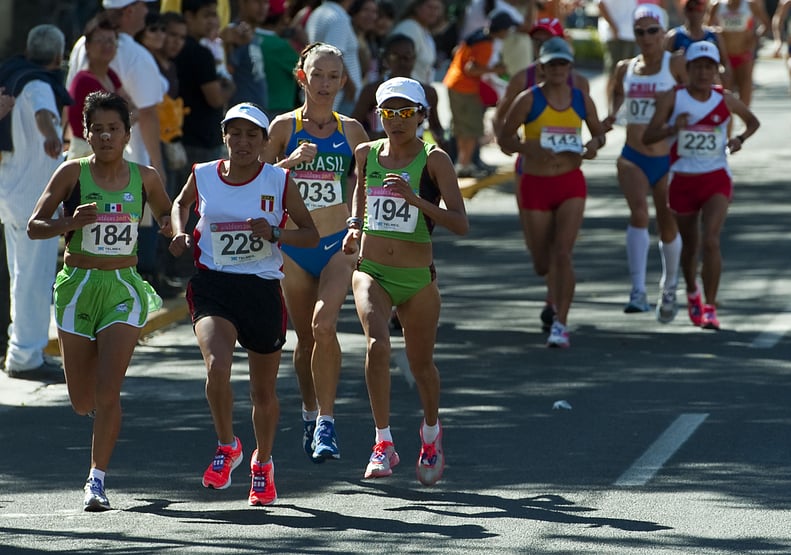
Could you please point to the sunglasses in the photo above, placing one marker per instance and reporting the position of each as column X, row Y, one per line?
column 403, row 113
column 638, row 32
column 558, row 62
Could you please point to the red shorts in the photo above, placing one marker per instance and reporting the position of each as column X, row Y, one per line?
column 738, row 60
column 540, row 192
column 689, row 192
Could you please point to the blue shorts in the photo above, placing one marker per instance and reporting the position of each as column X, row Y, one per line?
column 314, row 260
column 654, row 167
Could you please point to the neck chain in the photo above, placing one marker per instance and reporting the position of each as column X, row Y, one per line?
column 320, row 125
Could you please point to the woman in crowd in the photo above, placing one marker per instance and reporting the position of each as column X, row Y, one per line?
column 696, row 118
column 552, row 187
column 235, row 294
column 100, row 300
column 317, row 145
column 395, row 207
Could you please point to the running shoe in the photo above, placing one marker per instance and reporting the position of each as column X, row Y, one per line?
column 382, row 461
column 226, row 459
column 638, row 302
column 95, row 499
column 709, row 320
column 262, row 488
column 431, row 461
column 666, row 307
column 695, row 309
column 547, row 317
column 308, row 429
column 326, row 442
column 558, row 336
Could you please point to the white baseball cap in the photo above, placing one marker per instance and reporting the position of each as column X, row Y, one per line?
column 116, row 4
column 247, row 111
column 651, row 11
column 401, row 87
column 703, row 49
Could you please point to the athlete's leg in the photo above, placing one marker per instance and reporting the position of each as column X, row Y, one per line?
column 714, row 212
column 568, row 219
column 217, row 339
column 635, row 188
column 263, row 394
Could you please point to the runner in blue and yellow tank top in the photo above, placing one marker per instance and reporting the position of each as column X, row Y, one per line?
column 100, row 300
column 552, row 187
column 316, row 144
column 395, row 206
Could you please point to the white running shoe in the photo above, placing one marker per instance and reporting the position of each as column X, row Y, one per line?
column 558, row 336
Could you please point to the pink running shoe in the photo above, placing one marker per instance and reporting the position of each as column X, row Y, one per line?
column 382, row 461
column 262, row 489
column 709, row 320
column 226, row 459
column 695, row 308
column 431, row 461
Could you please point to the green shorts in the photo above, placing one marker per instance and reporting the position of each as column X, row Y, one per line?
column 88, row 301
column 400, row 283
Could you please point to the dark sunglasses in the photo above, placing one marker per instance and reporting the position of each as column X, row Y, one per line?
column 558, row 62
column 638, row 32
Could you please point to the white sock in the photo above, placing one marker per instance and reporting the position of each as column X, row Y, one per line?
column 325, row 418
column 309, row 415
column 670, row 253
column 383, row 434
column 430, row 433
column 233, row 445
column 637, row 245
column 96, row 473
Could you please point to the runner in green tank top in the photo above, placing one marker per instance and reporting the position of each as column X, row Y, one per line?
column 395, row 205
column 101, row 302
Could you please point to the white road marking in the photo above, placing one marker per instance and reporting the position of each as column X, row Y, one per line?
column 774, row 331
column 398, row 358
column 661, row 450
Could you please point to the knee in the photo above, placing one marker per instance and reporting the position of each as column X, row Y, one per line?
column 218, row 371
column 711, row 244
column 324, row 331
column 540, row 266
column 379, row 349
column 83, row 407
column 264, row 398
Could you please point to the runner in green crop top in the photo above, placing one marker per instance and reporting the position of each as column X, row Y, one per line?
column 101, row 302
column 394, row 206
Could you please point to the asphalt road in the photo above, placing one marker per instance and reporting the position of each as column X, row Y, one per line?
column 677, row 440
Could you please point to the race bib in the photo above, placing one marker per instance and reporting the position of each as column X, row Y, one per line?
column 233, row 243
column 319, row 189
column 735, row 22
column 700, row 141
column 111, row 235
column 388, row 211
column 561, row 139
column 640, row 110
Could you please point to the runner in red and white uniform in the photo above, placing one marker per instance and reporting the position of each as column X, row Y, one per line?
column 696, row 119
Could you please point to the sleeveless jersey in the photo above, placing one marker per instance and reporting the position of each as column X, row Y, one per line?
column 700, row 146
column 682, row 40
column 738, row 20
column 322, row 182
column 640, row 101
column 115, row 231
column 223, row 239
column 557, row 130
column 388, row 214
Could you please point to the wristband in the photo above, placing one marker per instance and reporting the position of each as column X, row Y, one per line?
column 354, row 223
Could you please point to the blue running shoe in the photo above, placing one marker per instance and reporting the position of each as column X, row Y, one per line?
column 638, row 302
column 326, row 442
column 95, row 499
column 309, row 428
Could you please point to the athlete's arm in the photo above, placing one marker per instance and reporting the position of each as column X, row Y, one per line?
column 351, row 242
column 454, row 216
column 41, row 224
column 751, row 122
column 759, row 13
column 507, row 137
column 306, row 235
column 658, row 128
column 515, row 86
column 596, row 130
column 157, row 198
column 618, row 94
column 777, row 22
column 179, row 214
column 678, row 67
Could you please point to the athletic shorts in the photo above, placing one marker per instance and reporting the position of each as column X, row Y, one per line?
column 546, row 193
column 314, row 260
column 400, row 283
column 689, row 192
column 88, row 301
column 467, row 112
column 738, row 60
column 253, row 305
column 654, row 167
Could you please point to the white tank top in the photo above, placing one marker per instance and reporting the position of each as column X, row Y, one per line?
column 700, row 146
column 640, row 90
column 738, row 20
column 224, row 242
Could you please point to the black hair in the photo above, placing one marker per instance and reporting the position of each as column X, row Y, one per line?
column 100, row 21
column 194, row 6
column 103, row 100
column 171, row 17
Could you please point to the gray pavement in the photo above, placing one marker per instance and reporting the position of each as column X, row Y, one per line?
column 676, row 441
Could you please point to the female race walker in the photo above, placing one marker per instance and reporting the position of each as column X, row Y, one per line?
column 642, row 169
column 552, row 188
column 395, row 207
column 696, row 119
column 100, row 300
column 242, row 205
column 317, row 144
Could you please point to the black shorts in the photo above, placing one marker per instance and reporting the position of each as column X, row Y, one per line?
column 253, row 305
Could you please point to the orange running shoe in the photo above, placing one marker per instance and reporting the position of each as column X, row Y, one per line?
column 262, row 489
column 226, row 459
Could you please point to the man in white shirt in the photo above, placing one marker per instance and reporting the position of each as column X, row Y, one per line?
column 331, row 23
column 30, row 140
column 616, row 33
